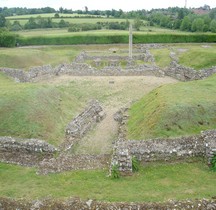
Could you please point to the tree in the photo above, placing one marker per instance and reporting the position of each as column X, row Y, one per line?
column 56, row 15
column 198, row 25
column 86, row 9
column 16, row 26
column 2, row 21
column 61, row 10
column 137, row 23
column 213, row 26
column 164, row 21
column 212, row 14
column 31, row 24
column 186, row 24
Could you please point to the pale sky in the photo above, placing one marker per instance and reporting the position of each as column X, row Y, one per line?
column 106, row 5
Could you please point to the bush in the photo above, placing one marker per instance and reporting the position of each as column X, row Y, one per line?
column 112, row 39
column 213, row 163
column 115, row 174
column 7, row 39
column 135, row 164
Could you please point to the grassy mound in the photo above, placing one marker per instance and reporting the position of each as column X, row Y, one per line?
column 34, row 111
column 174, row 110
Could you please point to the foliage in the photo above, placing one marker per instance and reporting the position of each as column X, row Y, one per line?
column 186, row 24
column 16, row 26
column 135, row 164
column 198, row 25
column 7, row 39
column 114, row 38
column 213, row 163
column 213, row 26
column 137, row 23
column 2, row 21
column 115, row 174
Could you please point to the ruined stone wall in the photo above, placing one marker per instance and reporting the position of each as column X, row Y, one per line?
column 151, row 150
column 187, row 74
column 165, row 149
column 82, row 123
column 24, row 151
column 78, row 204
column 17, row 74
column 82, row 69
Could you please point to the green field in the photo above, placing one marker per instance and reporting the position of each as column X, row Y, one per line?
column 153, row 183
column 63, row 32
column 45, row 15
column 174, row 110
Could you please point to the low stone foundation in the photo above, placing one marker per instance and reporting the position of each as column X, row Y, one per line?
column 66, row 162
column 27, row 152
column 78, row 204
column 164, row 150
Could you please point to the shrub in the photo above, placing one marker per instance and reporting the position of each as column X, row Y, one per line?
column 7, row 39
column 115, row 174
column 213, row 163
column 135, row 164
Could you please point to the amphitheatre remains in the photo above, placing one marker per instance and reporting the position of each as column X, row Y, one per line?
column 50, row 159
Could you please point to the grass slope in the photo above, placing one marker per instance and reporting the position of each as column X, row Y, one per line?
column 34, row 111
column 174, row 110
column 152, row 183
column 29, row 57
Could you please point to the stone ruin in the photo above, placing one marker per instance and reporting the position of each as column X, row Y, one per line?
column 78, row 204
column 160, row 149
column 80, row 67
column 27, row 152
column 82, row 123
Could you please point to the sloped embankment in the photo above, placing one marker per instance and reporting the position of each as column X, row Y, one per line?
column 174, row 110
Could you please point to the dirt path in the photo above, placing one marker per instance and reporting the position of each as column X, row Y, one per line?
column 100, row 139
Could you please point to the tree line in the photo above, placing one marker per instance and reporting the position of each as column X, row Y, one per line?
column 173, row 18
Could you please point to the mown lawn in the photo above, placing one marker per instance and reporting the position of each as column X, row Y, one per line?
column 153, row 183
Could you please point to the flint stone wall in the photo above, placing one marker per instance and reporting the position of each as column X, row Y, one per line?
column 82, row 69
column 27, row 152
column 164, row 149
column 187, row 74
column 82, row 123
column 17, row 74
column 78, row 204
column 85, row 120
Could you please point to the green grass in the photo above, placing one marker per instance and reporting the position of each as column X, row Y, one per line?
column 35, row 111
column 25, row 58
column 198, row 57
column 162, row 57
column 174, row 110
column 152, row 183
